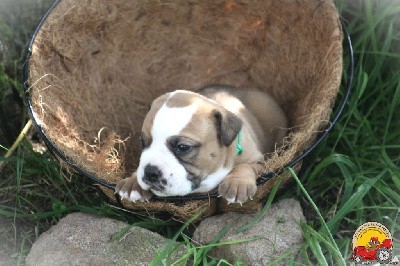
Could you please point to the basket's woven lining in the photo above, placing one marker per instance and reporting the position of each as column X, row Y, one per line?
column 97, row 65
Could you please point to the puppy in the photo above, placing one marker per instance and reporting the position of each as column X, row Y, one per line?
column 194, row 142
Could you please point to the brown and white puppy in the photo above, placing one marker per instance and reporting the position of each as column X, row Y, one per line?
column 190, row 143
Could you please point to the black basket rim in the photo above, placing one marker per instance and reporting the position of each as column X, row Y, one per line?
column 261, row 180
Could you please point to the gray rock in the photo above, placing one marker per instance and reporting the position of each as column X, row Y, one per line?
column 82, row 239
column 278, row 231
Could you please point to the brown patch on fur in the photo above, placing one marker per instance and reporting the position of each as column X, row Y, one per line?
column 181, row 99
column 228, row 126
column 262, row 113
column 269, row 115
column 211, row 155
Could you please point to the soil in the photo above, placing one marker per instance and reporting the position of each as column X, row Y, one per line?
column 16, row 238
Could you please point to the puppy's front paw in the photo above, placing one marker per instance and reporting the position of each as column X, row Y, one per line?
column 235, row 190
column 129, row 189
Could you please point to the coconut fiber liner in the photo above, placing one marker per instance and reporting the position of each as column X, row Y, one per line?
column 96, row 65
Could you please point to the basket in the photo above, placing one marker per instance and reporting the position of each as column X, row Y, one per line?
column 95, row 66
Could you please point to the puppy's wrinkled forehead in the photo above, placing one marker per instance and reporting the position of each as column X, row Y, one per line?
column 171, row 112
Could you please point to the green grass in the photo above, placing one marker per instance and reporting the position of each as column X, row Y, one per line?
column 351, row 178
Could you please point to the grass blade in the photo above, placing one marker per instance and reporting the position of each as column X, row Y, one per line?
column 352, row 202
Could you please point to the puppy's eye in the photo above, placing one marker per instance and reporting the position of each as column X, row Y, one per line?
column 144, row 143
column 182, row 148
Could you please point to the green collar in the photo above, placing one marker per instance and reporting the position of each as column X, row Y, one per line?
column 239, row 148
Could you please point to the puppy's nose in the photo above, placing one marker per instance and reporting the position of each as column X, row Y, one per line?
column 152, row 173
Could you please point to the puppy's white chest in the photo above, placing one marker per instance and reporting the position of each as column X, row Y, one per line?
column 213, row 180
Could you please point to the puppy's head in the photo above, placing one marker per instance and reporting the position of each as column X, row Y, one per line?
column 186, row 141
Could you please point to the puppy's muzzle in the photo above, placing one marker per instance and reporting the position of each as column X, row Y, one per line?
column 152, row 174
column 153, row 177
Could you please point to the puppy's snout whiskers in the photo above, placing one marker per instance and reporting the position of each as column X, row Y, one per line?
column 158, row 188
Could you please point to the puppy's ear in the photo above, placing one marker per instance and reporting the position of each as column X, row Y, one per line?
column 227, row 124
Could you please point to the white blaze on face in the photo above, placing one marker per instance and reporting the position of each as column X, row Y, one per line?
column 167, row 122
